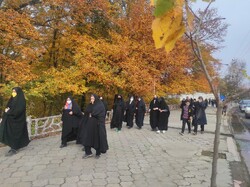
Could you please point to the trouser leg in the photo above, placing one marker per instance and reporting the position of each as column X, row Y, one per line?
column 87, row 150
column 202, row 128
column 195, row 127
column 119, row 126
column 183, row 125
column 98, row 152
column 189, row 126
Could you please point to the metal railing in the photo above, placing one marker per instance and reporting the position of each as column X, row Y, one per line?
column 44, row 126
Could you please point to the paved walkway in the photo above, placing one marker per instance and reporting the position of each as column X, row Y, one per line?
column 136, row 157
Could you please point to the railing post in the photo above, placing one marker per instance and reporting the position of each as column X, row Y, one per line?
column 29, row 121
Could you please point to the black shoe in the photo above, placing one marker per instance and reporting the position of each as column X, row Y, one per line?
column 63, row 145
column 87, row 156
column 11, row 152
column 97, row 156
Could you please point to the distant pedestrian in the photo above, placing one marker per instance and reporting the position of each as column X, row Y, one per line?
column 206, row 102
column 224, row 110
column 140, row 112
column 164, row 113
column 130, row 112
column 154, row 113
column 13, row 127
column 71, row 117
column 199, row 117
column 118, row 113
column 186, row 117
column 112, row 123
column 93, row 134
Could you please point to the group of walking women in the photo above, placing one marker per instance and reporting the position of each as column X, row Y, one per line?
column 87, row 129
column 127, row 111
column 193, row 112
column 159, row 113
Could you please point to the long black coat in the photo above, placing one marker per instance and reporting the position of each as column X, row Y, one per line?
column 70, row 123
column 118, row 113
column 164, row 115
column 130, row 112
column 199, row 117
column 13, row 128
column 154, row 113
column 140, row 113
column 93, row 130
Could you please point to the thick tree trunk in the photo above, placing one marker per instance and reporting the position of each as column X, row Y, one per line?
column 52, row 52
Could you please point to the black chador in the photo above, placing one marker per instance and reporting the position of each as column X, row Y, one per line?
column 164, row 113
column 93, row 133
column 140, row 112
column 130, row 112
column 13, row 128
column 118, row 113
column 71, row 117
column 154, row 113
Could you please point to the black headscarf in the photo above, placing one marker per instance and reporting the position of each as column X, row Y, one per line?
column 17, row 104
column 162, row 104
column 98, row 110
column 75, row 107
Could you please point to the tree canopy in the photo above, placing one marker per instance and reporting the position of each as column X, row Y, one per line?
column 53, row 48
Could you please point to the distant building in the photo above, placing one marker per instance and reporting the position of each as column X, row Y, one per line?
column 196, row 95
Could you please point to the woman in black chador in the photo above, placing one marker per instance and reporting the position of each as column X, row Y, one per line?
column 71, row 116
column 199, row 117
column 154, row 113
column 163, row 116
column 93, row 133
column 118, row 113
column 13, row 128
column 130, row 112
column 140, row 112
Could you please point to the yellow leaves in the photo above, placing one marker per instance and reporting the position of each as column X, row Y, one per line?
column 17, row 71
column 70, row 58
column 16, row 26
column 66, row 80
column 169, row 28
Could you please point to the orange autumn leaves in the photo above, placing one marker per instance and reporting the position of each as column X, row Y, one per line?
column 63, row 46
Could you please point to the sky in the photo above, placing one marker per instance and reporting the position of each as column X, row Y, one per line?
column 237, row 40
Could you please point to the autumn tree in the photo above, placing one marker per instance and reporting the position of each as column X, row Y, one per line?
column 16, row 51
column 53, row 49
column 234, row 78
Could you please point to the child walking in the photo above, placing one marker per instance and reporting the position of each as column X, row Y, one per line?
column 186, row 117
